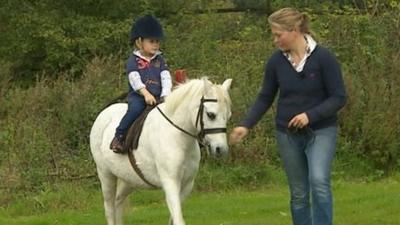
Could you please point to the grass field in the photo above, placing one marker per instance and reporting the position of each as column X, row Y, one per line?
column 356, row 203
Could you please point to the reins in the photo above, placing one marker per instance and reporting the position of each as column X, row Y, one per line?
column 199, row 119
column 173, row 124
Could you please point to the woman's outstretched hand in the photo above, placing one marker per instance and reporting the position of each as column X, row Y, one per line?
column 237, row 134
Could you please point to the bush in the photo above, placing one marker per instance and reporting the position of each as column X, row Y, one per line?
column 369, row 121
column 44, row 128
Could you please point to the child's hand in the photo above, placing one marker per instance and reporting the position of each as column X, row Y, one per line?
column 150, row 100
column 148, row 97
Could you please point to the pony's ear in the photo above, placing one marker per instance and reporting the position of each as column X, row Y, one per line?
column 207, row 85
column 227, row 84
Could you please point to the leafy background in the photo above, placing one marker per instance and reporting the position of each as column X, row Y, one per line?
column 61, row 61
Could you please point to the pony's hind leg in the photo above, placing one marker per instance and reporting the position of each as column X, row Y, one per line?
column 123, row 190
column 108, row 186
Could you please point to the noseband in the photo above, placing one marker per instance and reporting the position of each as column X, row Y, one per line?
column 199, row 120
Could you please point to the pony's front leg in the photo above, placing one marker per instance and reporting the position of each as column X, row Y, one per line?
column 172, row 195
column 185, row 191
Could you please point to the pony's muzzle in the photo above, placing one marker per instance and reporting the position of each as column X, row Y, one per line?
column 219, row 150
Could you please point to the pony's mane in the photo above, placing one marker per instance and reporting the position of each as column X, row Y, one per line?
column 192, row 89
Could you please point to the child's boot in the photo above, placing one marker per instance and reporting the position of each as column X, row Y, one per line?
column 117, row 144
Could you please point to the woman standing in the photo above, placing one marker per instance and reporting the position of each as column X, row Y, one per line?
column 311, row 92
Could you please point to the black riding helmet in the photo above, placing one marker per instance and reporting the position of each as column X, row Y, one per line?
column 146, row 27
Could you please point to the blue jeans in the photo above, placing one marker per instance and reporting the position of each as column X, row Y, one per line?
column 136, row 106
column 307, row 158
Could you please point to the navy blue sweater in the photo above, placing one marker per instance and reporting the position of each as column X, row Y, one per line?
column 318, row 90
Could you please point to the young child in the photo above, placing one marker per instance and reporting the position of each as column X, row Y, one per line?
column 148, row 74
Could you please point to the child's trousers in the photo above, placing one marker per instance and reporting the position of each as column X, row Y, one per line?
column 136, row 106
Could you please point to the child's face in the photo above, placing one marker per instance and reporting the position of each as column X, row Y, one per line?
column 150, row 46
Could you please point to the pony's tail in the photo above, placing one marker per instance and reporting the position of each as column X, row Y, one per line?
column 116, row 100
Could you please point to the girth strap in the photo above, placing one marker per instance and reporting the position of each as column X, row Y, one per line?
column 132, row 159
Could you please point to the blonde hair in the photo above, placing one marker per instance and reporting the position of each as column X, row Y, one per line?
column 290, row 19
column 137, row 43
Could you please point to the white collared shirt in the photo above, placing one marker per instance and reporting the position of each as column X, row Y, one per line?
column 311, row 44
column 138, row 54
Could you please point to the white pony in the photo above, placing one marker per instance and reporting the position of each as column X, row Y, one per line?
column 168, row 152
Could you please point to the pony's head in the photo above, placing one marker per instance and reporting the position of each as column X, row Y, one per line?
column 207, row 107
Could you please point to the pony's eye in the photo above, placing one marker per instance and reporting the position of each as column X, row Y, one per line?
column 211, row 115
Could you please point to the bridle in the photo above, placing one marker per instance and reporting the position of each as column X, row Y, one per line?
column 199, row 120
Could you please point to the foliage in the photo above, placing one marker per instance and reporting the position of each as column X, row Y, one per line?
column 44, row 37
column 370, row 120
column 57, row 36
column 72, row 61
column 369, row 6
column 46, row 127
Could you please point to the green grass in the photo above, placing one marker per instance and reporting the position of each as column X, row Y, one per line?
column 356, row 203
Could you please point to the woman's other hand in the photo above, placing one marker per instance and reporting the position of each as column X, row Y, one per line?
column 299, row 121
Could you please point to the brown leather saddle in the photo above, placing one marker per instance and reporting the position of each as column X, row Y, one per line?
column 132, row 140
column 133, row 134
